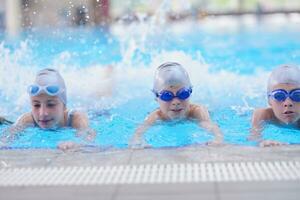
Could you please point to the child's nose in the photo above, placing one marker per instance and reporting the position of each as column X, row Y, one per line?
column 175, row 101
column 43, row 111
column 288, row 103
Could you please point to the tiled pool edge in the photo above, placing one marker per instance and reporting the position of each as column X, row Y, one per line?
column 151, row 166
column 152, row 173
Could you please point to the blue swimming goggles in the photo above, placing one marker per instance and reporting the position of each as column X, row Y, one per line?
column 51, row 90
column 181, row 94
column 281, row 95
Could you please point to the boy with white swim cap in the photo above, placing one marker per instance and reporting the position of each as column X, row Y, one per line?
column 49, row 108
column 172, row 89
column 284, row 100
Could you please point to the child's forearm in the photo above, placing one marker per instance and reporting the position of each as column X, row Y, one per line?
column 217, row 132
column 212, row 128
column 255, row 134
column 11, row 133
column 138, row 134
column 87, row 134
column 5, row 121
column 140, row 130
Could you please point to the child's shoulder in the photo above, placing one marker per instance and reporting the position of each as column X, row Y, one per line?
column 263, row 113
column 25, row 119
column 197, row 107
column 75, row 117
column 198, row 111
column 156, row 115
column 75, row 113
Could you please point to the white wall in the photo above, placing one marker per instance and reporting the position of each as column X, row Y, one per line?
column 13, row 17
column 2, row 5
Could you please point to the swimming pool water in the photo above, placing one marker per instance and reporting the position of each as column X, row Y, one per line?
column 228, row 68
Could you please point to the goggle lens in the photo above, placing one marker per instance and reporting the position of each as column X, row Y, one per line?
column 33, row 89
column 52, row 89
column 166, row 96
column 181, row 94
column 184, row 94
column 280, row 95
column 295, row 95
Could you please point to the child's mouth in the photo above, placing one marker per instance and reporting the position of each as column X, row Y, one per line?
column 288, row 112
column 177, row 110
column 45, row 121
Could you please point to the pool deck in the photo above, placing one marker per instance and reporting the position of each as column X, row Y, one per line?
column 286, row 189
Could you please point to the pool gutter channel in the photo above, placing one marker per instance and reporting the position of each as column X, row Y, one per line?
column 206, row 172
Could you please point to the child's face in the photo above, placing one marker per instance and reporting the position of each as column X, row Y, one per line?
column 47, row 111
column 286, row 111
column 176, row 108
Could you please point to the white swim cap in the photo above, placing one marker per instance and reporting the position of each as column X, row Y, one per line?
column 170, row 73
column 46, row 77
column 284, row 74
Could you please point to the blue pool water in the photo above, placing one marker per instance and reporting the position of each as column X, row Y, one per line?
column 228, row 68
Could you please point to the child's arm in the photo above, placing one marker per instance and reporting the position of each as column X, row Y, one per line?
column 201, row 114
column 22, row 123
column 80, row 122
column 137, row 139
column 5, row 121
column 258, row 119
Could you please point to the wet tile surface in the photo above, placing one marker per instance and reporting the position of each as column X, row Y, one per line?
column 58, row 192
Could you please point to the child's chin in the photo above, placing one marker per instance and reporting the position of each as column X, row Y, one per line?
column 176, row 117
column 46, row 127
column 289, row 121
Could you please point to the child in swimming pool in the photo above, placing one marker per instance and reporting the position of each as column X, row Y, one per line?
column 284, row 100
column 48, row 97
column 172, row 89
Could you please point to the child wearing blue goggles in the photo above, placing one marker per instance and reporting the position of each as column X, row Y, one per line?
column 172, row 89
column 284, row 100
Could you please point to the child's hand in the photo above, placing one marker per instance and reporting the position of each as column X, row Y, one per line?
column 68, row 145
column 216, row 142
column 88, row 134
column 270, row 143
column 253, row 137
column 138, row 143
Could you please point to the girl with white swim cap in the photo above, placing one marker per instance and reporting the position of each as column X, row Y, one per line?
column 172, row 89
column 283, row 93
column 48, row 97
